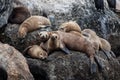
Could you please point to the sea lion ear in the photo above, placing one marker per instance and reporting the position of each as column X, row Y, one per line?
column 64, row 49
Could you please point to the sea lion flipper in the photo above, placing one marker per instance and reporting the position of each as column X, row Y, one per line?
column 64, row 49
column 93, row 68
column 108, row 55
column 99, row 62
column 112, row 53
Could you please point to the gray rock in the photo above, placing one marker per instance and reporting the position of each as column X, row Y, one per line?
column 13, row 62
column 105, row 23
column 76, row 66
column 5, row 10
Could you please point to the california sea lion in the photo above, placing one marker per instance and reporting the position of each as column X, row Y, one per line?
column 19, row 15
column 92, row 37
column 36, row 51
column 65, row 41
column 98, row 43
column 31, row 24
column 99, row 4
column 106, row 47
column 70, row 26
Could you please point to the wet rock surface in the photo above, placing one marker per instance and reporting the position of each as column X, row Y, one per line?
column 5, row 10
column 105, row 23
column 59, row 66
column 13, row 62
column 76, row 66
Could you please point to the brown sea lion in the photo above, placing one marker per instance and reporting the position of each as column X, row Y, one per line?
column 106, row 48
column 19, row 15
column 36, row 51
column 70, row 26
column 92, row 37
column 31, row 24
column 99, row 43
column 65, row 41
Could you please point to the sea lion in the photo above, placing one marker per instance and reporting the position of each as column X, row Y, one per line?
column 36, row 51
column 98, row 43
column 118, row 6
column 106, row 47
column 99, row 4
column 19, row 15
column 65, row 41
column 70, row 26
column 44, row 36
column 31, row 24
column 92, row 37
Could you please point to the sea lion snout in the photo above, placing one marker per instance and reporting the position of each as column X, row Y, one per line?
column 54, row 36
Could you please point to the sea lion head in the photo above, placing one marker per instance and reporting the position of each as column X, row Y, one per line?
column 54, row 36
column 42, row 55
column 44, row 36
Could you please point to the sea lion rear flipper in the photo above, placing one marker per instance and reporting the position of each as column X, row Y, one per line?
column 93, row 68
column 99, row 62
column 112, row 53
column 108, row 55
column 64, row 49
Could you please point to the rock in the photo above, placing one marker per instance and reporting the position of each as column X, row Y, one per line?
column 13, row 62
column 114, row 39
column 105, row 23
column 59, row 66
column 118, row 59
column 10, row 36
column 5, row 10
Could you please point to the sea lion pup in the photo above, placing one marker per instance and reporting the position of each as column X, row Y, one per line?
column 19, row 15
column 70, row 26
column 31, row 24
column 65, row 41
column 36, row 51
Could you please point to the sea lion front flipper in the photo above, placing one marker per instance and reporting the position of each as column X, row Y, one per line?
column 93, row 68
column 64, row 49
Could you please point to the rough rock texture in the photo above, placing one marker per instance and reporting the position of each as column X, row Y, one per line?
column 10, row 35
column 5, row 10
column 105, row 23
column 59, row 66
column 14, row 63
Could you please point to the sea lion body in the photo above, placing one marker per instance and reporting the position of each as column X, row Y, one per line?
column 70, row 26
column 36, row 51
column 33, row 23
column 19, row 15
column 92, row 37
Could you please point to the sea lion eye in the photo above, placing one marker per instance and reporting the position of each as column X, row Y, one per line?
column 56, row 37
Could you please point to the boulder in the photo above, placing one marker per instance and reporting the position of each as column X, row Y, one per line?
column 13, row 64
column 105, row 23
column 5, row 10
column 76, row 66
